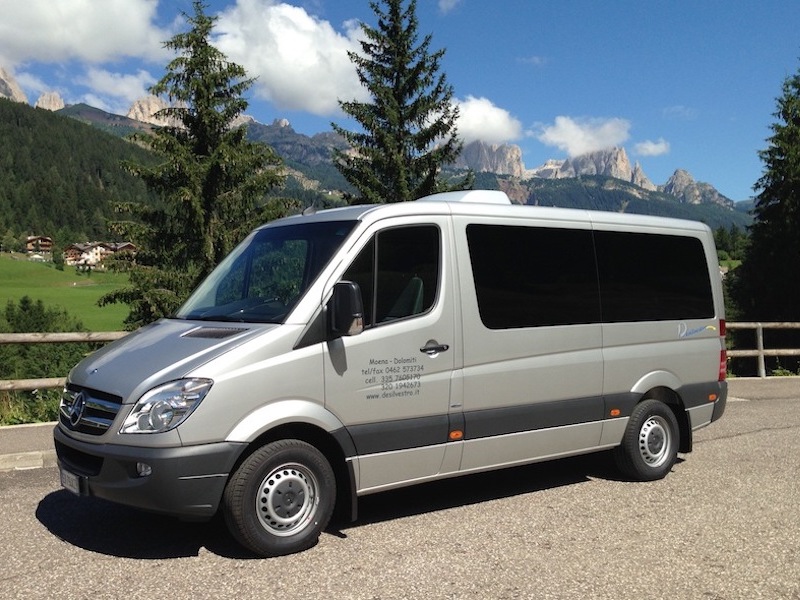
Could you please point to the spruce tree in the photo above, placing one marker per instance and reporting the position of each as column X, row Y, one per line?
column 409, row 127
column 210, row 184
column 765, row 287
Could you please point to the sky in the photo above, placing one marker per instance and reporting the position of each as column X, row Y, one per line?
column 680, row 84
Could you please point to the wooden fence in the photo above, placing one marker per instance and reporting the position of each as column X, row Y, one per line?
column 22, row 385
column 759, row 352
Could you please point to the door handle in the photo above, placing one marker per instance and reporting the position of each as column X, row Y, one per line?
column 432, row 348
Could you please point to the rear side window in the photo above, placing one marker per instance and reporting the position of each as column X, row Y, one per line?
column 540, row 276
column 647, row 277
column 533, row 276
column 398, row 273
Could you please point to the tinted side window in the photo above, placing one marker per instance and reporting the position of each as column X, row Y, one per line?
column 647, row 277
column 398, row 272
column 533, row 276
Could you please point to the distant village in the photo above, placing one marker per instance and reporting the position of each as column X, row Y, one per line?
column 89, row 256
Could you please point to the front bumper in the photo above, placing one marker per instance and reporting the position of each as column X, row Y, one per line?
column 186, row 482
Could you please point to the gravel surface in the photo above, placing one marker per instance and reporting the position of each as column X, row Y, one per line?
column 725, row 524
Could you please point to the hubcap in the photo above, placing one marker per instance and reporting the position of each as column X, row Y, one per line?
column 654, row 441
column 287, row 500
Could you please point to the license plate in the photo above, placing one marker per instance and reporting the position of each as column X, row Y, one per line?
column 71, row 482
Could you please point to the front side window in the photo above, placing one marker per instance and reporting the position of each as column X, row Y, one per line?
column 265, row 276
column 398, row 273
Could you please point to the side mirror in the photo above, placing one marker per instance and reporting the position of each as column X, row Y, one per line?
column 345, row 310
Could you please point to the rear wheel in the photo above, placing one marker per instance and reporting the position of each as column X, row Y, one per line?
column 649, row 447
column 280, row 498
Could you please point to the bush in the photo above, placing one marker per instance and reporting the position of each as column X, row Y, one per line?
column 33, row 361
column 39, row 406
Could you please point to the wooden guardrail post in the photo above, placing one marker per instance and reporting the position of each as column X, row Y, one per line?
column 762, row 367
column 760, row 353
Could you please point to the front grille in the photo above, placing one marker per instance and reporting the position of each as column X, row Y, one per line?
column 88, row 411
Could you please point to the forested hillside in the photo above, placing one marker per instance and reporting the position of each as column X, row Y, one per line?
column 60, row 177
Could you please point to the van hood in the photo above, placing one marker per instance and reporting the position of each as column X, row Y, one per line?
column 163, row 351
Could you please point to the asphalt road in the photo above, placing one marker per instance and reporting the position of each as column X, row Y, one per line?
column 725, row 524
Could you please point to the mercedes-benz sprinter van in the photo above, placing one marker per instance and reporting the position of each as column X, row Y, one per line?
column 355, row 350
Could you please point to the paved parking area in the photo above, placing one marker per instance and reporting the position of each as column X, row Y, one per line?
column 725, row 524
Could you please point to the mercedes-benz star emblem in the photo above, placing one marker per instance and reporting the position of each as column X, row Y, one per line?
column 76, row 409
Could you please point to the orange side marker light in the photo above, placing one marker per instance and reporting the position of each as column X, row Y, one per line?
column 456, row 434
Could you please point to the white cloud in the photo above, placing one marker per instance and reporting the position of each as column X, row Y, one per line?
column 89, row 30
column 96, row 101
column 580, row 136
column 680, row 112
column 479, row 119
column 445, row 6
column 300, row 61
column 534, row 61
column 118, row 85
column 651, row 148
column 31, row 83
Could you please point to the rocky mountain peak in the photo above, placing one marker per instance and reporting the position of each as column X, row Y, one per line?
column 611, row 162
column 243, row 120
column 639, row 178
column 549, row 170
column 502, row 159
column 50, row 101
column 680, row 181
column 684, row 187
column 144, row 110
column 506, row 159
column 9, row 88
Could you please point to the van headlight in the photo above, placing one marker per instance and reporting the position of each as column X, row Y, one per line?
column 166, row 406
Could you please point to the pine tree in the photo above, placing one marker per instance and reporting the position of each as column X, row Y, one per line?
column 210, row 184
column 409, row 128
column 765, row 287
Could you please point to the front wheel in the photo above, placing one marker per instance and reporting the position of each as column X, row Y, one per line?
column 649, row 447
column 280, row 498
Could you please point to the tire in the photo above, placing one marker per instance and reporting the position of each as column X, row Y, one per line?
column 649, row 446
column 280, row 498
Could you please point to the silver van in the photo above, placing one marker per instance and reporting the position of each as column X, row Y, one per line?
column 354, row 350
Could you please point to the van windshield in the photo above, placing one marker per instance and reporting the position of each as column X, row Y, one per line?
column 265, row 276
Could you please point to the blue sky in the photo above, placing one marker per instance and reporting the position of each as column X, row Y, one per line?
column 678, row 84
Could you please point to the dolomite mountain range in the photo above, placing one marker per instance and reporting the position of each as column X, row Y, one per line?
column 500, row 159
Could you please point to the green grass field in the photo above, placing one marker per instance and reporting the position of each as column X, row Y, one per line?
column 68, row 290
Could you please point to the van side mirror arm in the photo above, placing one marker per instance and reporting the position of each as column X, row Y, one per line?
column 345, row 310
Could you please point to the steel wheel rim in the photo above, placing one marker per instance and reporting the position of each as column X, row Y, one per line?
column 655, row 441
column 287, row 500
